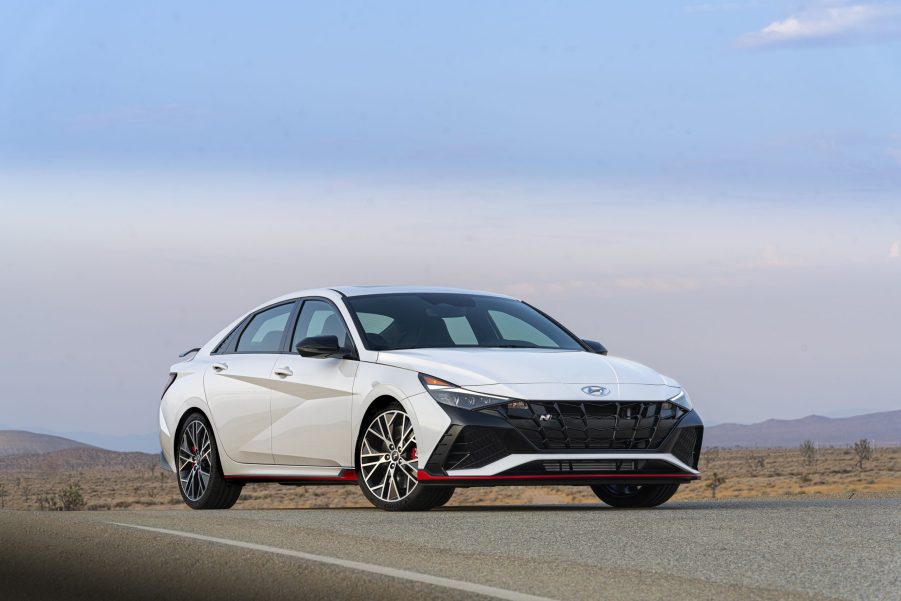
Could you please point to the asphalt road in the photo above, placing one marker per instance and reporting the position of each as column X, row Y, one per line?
column 785, row 550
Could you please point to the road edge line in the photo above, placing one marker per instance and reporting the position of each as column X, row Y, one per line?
column 460, row 585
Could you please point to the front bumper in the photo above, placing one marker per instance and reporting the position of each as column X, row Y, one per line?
column 567, row 443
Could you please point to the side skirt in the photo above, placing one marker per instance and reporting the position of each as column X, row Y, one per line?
column 345, row 477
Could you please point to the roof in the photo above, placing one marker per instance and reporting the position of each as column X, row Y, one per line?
column 365, row 290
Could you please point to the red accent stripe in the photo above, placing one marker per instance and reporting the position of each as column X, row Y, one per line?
column 424, row 476
column 345, row 476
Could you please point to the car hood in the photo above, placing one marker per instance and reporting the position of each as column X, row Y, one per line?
column 486, row 367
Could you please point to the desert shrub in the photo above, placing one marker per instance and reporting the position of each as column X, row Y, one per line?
column 755, row 463
column 809, row 453
column 71, row 499
column 48, row 502
column 715, row 482
column 864, row 452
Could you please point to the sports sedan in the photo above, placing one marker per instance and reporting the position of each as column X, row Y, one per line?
column 412, row 392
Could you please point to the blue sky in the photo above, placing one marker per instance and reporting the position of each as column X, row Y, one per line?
column 658, row 91
column 713, row 188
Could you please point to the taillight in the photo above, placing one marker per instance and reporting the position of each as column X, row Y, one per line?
column 172, row 377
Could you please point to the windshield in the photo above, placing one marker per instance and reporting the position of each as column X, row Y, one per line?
column 439, row 320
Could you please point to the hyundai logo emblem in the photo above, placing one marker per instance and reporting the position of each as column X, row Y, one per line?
column 596, row 390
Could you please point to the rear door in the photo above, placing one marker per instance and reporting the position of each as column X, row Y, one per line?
column 237, row 385
column 312, row 396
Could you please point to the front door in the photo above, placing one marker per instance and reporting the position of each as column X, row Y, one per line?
column 237, row 387
column 312, row 396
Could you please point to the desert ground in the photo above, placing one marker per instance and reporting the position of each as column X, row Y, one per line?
column 93, row 479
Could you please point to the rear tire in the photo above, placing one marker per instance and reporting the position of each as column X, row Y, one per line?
column 387, row 465
column 200, row 479
column 635, row 495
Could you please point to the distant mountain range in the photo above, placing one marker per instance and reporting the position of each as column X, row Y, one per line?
column 76, row 458
column 19, row 442
column 30, row 451
column 884, row 428
column 145, row 443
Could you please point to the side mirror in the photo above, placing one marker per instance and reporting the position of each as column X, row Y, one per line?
column 595, row 346
column 321, row 346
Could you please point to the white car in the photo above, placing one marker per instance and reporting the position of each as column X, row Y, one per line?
column 411, row 392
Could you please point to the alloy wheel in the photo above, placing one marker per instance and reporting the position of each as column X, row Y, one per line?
column 388, row 456
column 194, row 466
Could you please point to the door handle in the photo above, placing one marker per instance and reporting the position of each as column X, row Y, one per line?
column 219, row 366
column 283, row 371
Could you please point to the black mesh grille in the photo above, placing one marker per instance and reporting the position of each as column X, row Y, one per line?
column 475, row 447
column 592, row 465
column 686, row 446
column 555, row 425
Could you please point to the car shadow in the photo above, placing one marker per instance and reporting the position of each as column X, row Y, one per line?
column 535, row 507
column 719, row 505
column 506, row 508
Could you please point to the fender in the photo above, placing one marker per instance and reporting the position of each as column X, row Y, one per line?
column 429, row 421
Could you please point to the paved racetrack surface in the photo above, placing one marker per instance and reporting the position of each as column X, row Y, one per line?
column 767, row 549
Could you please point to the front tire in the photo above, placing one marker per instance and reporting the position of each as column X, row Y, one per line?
column 635, row 495
column 200, row 479
column 387, row 464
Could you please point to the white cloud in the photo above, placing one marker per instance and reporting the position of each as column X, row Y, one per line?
column 895, row 251
column 829, row 22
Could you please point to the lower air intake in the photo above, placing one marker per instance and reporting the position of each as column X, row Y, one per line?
column 686, row 447
column 476, row 447
column 588, row 466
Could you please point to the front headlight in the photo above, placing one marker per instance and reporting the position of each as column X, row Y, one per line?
column 449, row 394
column 682, row 400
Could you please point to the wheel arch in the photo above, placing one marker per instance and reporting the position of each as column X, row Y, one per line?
column 188, row 412
column 380, row 402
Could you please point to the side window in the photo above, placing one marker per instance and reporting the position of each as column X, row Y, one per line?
column 264, row 332
column 319, row 318
column 514, row 329
column 226, row 342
